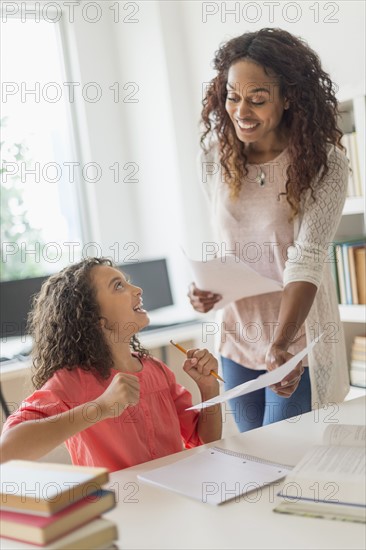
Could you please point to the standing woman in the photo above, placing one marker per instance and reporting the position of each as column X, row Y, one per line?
column 276, row 178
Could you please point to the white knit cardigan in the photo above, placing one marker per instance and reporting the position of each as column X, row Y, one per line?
column 314, row 230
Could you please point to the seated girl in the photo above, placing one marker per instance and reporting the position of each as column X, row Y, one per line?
column 96, row 388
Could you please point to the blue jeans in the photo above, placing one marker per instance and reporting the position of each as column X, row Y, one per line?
column 263, row 407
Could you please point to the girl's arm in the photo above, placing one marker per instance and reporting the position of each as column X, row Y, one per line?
column 198, row 365
column 210, row 420
column 32, row 439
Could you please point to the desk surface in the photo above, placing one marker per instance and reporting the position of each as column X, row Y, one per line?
column 153, row 518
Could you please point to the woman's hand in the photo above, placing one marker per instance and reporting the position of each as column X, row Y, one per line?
column 202, row 300
column 198, row 365
column 275, row 357
column 123, row 391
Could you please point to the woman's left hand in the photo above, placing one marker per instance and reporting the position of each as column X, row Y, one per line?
column 275, row 357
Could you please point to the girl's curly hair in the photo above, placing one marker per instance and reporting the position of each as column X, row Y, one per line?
column 311, row 118
column 64, row 324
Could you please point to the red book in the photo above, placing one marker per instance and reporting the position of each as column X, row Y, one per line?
column 44, row 529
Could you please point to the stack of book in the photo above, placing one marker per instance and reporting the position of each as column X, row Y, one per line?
column 358, row 362
column 54, row 506
column 349, row 141
column 348, row 262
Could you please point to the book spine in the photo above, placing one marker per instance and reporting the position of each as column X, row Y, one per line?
column 352, row 273
column 355, row 164
column 347, row 278
column 358, row 358
column 334, row 271
column 360, row 341
column 360, row 266
column 358, row 374
column 340, row 270
column 351, row 184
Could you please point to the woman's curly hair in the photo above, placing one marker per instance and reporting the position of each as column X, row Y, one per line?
column 64, row 324
column 311, row 118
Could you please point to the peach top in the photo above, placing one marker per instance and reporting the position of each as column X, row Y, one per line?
column 158, row 426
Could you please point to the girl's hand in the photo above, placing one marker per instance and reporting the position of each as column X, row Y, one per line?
column 202, row 300
column 198, row 365
column 275, row 357
column 124, row 390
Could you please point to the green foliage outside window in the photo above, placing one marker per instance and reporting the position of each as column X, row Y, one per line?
column 16, row 230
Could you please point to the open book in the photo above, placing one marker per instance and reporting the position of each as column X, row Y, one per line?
column 330, row 480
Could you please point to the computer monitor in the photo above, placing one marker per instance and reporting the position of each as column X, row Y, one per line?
column 152, row 276
column 16, row 296
column 15, row 303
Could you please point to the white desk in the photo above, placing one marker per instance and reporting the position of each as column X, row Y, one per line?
column 152, row 518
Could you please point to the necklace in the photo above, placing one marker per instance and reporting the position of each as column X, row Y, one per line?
column 261, row 178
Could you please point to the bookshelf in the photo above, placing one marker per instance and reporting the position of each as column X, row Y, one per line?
column 352, row 314
column 354, row 205
column 352, row 224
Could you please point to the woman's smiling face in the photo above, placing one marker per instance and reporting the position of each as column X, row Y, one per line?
column 254, row 103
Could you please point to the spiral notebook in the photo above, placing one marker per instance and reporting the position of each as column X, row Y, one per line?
column 216, row 475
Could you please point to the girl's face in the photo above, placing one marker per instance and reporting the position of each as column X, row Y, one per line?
column 119, row 301
column 254, row 104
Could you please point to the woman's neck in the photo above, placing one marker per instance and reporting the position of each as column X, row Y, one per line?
column 265, row 151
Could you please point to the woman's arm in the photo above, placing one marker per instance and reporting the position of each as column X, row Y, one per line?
column 297, row 299
column 296, row 302
column 32, row 439
column 304, row 268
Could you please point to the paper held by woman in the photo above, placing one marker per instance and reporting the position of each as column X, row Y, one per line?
column 230, row 277
column 267, row 379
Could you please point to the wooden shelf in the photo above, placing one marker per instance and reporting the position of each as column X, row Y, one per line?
column 353, row 314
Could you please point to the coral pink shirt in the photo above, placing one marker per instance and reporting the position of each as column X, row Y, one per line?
column 158, row 426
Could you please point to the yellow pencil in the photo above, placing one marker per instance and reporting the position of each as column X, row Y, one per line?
column 181, row 348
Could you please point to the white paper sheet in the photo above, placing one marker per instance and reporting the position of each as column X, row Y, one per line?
column 267, row 379
column 230, row 277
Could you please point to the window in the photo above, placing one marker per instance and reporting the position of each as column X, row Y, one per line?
column 40, row 217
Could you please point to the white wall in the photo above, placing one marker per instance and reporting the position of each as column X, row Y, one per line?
column 168, row 54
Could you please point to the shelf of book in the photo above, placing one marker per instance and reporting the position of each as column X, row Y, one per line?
column 349, row 267
column 353, row 313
